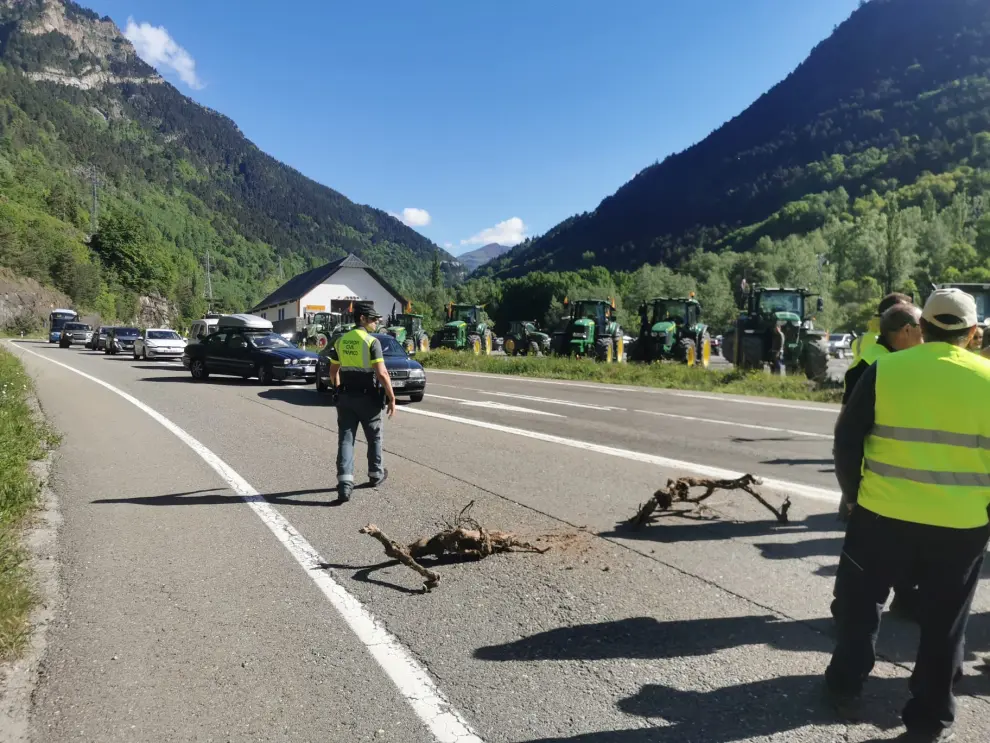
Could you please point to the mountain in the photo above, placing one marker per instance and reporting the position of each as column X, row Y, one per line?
column 900, row 89
column 480, row 256
column 82, row 114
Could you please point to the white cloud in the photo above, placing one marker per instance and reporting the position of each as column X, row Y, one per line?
column 511, row 232
column 448, row 246
column 156, row 46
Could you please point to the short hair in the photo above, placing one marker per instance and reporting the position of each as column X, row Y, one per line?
column 897, row 317
column 935, row 334
column 891, row 299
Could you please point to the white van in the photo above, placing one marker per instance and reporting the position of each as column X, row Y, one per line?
column 203, row 328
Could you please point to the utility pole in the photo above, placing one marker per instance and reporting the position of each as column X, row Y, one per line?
column 94, row 221
column 209, row 283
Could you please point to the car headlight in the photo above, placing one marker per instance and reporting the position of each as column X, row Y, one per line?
column 286, row 361
column 417, row 374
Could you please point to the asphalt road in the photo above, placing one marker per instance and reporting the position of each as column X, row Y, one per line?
column 190, row 613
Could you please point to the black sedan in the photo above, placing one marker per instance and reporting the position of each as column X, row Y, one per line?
column 408, row 376
column 120, row 339
column 247, row 352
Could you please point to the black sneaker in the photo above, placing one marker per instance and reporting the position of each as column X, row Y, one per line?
column 845, row 705
column 343, row 493
column 376, row 481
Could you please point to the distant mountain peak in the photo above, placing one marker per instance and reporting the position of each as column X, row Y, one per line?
column 480, row 256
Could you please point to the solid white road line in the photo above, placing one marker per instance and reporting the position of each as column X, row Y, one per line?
column 647, row 390
column 548, row 400
column 493, row 405
column 737, row 425
column 412, row 680
column 782, row 486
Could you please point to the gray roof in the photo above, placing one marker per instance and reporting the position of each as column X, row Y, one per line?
column 298, row 286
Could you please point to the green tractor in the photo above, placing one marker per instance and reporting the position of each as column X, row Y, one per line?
column 591, row 331
column 467, row 328
column 407, row 329
column 671, row 329
column 524, row 337
column 322, row 328
column 805, row 348
column 981, row 293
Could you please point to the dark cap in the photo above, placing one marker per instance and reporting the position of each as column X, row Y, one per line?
column 367, row 309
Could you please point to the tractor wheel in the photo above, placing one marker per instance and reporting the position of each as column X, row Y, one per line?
column 424, row 344
column 729, row 347
column 321, row 340
column 816, row 359
column 752, row 353
column 603, row 350
column 474, row 344
column 486, row 343
column 510, row 347
column 705, row 355
column 620, row 349
column 534, row 349
column 687, row 352
column 410, row 346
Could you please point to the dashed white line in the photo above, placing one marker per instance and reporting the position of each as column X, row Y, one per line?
column 494, row 406
column 734, row 424
column 413, row 681
column 782, row 486
column 531, row 398
column 646, row 390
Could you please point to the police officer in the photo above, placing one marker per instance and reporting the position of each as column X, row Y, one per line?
column 359, row 377
column 916, row 463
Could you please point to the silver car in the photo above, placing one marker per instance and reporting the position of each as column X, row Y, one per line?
column 159, row 343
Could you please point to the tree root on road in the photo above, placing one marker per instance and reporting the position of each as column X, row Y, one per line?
column 464, row 538
column 679, row 491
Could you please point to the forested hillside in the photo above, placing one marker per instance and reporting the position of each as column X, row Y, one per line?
column 173, row 180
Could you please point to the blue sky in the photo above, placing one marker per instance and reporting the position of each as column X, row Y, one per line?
column 476, row 120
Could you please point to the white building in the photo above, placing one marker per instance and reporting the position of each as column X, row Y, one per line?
column 349, row 278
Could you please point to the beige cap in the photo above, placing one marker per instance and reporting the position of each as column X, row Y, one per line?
column 956, row 308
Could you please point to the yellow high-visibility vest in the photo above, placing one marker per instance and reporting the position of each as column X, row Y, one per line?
column 869, row 338
column 927, row 459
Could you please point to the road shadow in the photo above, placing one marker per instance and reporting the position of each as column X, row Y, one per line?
column 187, row 379
column 210, row 497
column 794, row 462
column 679, row 528
column 647, row 638
column 749, row 711
column 819, row 547
column 363, row 573
column 306, row 396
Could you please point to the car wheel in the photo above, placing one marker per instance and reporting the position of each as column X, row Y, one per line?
column 198, row 370
column 264, row 374
column 144, row 354
column 136, row 357
column 416, row 397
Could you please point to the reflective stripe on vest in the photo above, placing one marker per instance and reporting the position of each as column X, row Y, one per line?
column 927, row 458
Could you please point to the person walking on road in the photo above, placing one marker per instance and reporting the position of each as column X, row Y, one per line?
column 363, row 389
column 912, row 454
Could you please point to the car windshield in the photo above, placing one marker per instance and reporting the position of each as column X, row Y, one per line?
column 390, row 346
column 127, row 332
column 76, row 326
column 169, row 335
column 269, row 340
column 835, row 337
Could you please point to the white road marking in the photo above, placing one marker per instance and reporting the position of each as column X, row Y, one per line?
column 647, row 390
column 737, row 425
column 548, row 400
column 412, row 680
column 783, row 486
column 494, row 406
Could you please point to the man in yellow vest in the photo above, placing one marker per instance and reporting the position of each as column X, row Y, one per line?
column 359, row 377
column 870, row 337
column 912, row 452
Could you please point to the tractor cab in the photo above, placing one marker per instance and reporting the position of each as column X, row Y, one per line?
column 981, row 293
column 465, row 313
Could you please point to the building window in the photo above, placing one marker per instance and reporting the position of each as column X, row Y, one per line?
column 264, row 315
column 281, row 313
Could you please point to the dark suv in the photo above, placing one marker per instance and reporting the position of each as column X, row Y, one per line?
column 120, row 339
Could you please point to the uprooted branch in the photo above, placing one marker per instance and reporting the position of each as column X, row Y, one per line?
column 679, row 491
column 464, row 538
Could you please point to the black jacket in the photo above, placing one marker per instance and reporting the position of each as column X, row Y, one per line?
column 854, row 425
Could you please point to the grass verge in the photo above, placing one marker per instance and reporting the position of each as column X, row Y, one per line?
column 662, row 375
column 23, row 439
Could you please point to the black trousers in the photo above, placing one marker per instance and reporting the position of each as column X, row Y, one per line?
column 879, row 553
